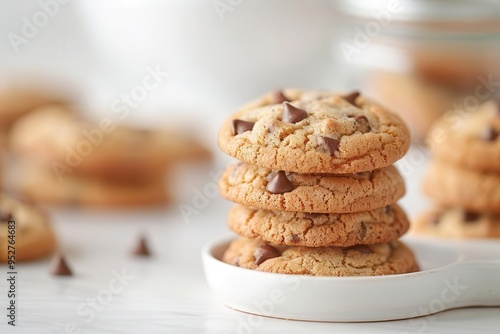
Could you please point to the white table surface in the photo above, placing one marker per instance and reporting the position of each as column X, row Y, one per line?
column 168, row 293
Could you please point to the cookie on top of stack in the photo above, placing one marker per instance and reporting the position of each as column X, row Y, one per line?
column 316, row 191
column 464, row 176
column 68, row 161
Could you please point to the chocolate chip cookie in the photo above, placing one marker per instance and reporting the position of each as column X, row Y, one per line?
column 43, row 186
column 319, row 230
column 277, row 190
column 453, row 186
column 361, row 260
column 469, row 139
column 457, row 223
column 314, row 132
column 34, row 238
column 57, row 138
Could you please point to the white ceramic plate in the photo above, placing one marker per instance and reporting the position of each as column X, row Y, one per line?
column 453, row 275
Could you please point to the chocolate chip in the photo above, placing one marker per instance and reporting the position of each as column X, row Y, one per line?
column 240, row 126
column 351, row 98
column 280, row 184
column 59, row 266
column 330, row 144
column 142, row 248
column 363, row 123
column 489, row 134
column 279, row 97
column 292, row 114
column 5, row 216
column 292, row 238
column 470, row 217
column 359, row 248
column 264, row 253
column 389, row 210
column 362, row 232
column 361, row 119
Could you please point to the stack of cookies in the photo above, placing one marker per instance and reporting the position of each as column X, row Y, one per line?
column 464, row 176
column 68, row 161
column 316, row 189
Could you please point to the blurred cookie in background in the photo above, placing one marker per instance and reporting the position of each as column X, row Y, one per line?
column 65, row 160
column 34, row 237
column 43, row 186
column 451, row 185
column 457, row 223
column 469, row 139
column 464, row 174
column 56, row 137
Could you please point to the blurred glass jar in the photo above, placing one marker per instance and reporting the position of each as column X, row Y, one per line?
column 421, row 58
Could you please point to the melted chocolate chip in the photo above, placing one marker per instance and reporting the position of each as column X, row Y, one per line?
column 60, row 267
column 330, row 144
column 292, row 114
column 280, row 184
column 5, row 216
column 142, row 248
column 279, row 97
column 264, row 253
column 240, row 126
column 351, row 97
column 359, row 248
column 470, row 217
column 489, row 134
